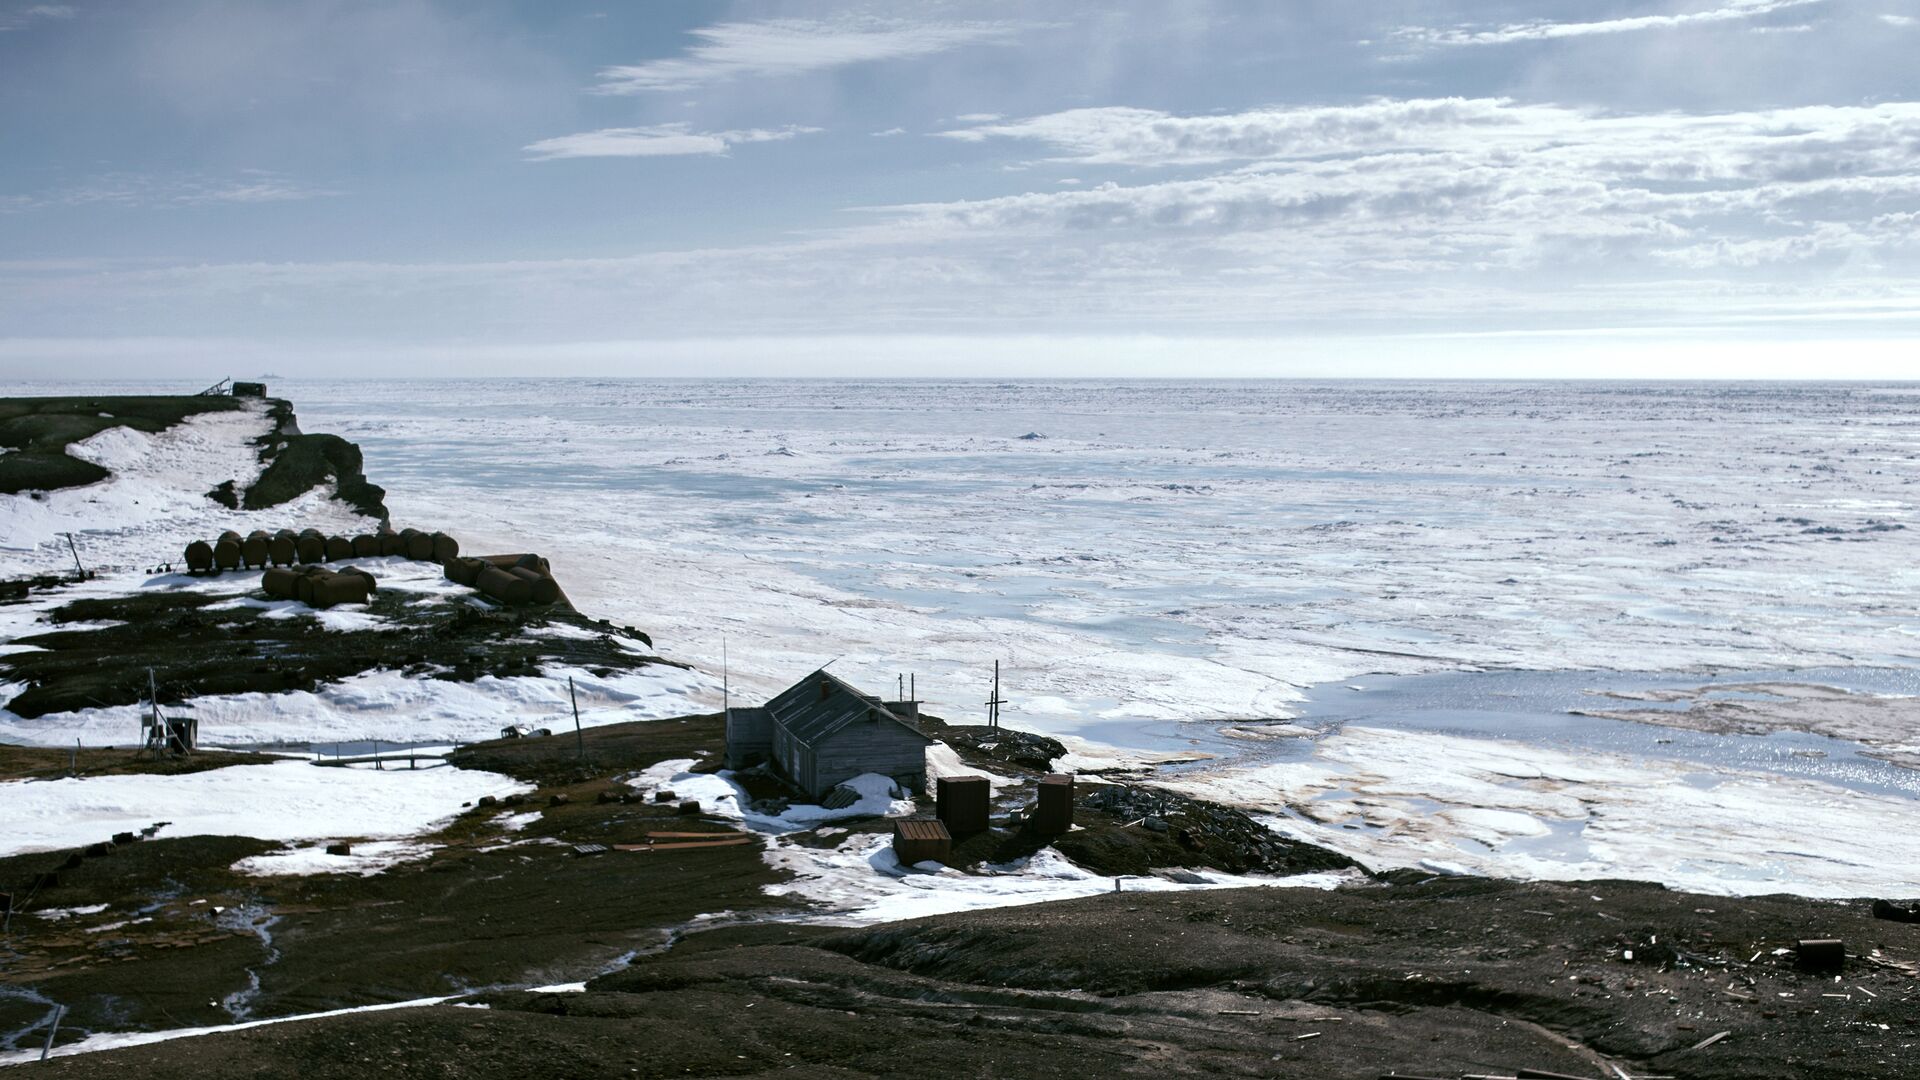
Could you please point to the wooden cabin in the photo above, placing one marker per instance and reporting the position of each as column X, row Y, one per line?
column 821, row 732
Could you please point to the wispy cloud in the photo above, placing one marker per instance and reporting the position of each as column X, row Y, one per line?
column 1900, row 20
column 1120, row 135
column 250, row 186
column 735, row 50
column 658, row 140
column 25, row 17
column 1544, row 30
column 1454, row 185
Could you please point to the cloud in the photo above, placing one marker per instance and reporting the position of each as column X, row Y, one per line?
column 251, row 186
column 889, row 133
column 1119, row 135
column 1543, row 30
column 777, row 47
column 1900, row 20
column 25, row 17
column 658, row 140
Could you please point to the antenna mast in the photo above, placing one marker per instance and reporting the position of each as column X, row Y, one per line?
column 994, row 702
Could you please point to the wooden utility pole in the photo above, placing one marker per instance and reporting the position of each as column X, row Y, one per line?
column 579, row 740
column 156, row 725
column 994, row 702
column 59, row 1011
column 79, row 571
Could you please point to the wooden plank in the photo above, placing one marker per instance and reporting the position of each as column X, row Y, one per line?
column 737, row 841
column 696, row 835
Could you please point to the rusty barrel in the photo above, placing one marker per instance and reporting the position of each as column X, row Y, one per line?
column 226, row 551
column 283, row 548
column 331, row 589
column 540, row 588
column 419, row 544
column 303, row 588
column 311, row 547
column 390, row 542
column 445, row 548
column 366, row 546
column 503, row 586
column 339, row 547
column 199, row 556
column 373, row 583
column 534, row 563
column 464, row 571
column 281, row 583
column 254, row 549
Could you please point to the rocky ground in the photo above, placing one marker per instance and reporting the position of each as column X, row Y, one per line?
column 201, row 643
column 1404, row 972
column 1419, row 977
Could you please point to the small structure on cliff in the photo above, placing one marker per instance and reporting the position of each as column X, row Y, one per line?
column 821, row 732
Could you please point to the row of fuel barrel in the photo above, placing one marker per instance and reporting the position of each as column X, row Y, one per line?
column 317, row 586
column 260, row 549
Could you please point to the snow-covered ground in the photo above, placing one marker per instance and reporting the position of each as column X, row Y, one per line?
column 862, row 882
column 292, row 800
column 720, row 797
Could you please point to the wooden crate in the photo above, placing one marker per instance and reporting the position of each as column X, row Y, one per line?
column 918, row 840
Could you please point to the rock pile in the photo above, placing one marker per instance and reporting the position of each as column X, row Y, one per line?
column 1022, row 748
column 1224, row 837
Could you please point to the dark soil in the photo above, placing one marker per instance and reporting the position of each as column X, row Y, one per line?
column 197, row 652
column 298, row 463
column 39, row 429
column 530, row 913
column 1423, row 977
column 42, row 763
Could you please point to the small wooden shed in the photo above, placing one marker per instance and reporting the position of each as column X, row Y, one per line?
column 821, row 732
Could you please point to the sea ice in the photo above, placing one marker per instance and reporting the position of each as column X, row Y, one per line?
column 1510, row 809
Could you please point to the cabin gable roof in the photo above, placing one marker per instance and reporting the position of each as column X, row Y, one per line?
column 817, row 707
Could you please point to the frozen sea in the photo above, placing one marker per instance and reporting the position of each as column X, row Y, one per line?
column 1181, row 550
column 1150, row 560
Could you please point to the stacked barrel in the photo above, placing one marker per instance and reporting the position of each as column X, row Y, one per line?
column 515, row 580
column 317, row 586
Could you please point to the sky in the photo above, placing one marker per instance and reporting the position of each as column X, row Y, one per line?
column 1688, row 188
